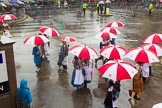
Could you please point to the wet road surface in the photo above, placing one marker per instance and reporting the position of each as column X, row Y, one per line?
column 52, row 87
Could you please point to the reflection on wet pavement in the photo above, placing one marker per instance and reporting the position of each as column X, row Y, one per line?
column 52, row 88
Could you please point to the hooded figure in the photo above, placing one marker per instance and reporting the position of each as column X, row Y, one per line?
column 24, row 93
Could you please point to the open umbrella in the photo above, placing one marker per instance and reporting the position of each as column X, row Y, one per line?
column 49, row 31
column 153, row 47
column 107, row 35
column 83, row 51
column 154, row 38
column 68, row 39
column 8, row 17
column 101, row 2
column 159, row 105
column 111, row 30
column 36, row 40
column 142, row 55
column 115, row 24
column 117, row 70
column 113, row 52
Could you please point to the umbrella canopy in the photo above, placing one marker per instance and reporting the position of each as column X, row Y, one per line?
column 36, row 40
column 68, row 39
column 8, row 17
column 49, row 31
column 101, row 2
column 154, row 48
column 159, row 105
column 111, row 30
column 85, row 52
column 154, row 38
column 115, row 24
column 113, row 52
column 107, row 35
column 117, row 70
column 142, row 55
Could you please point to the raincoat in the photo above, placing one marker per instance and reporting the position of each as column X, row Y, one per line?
column 37, row 56
column 24, row 92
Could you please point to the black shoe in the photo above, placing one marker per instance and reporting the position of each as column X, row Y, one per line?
column 136, row 98
column 130, row 93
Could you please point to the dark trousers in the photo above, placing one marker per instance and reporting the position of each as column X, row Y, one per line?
column 98, row 10
column 150, row 11
column 84, row 11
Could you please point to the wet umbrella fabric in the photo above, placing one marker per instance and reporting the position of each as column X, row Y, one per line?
column 153, row 47
column 113, row 52
column 36, row 40
column 101, row 2
column 85, row 52
column 107, row 35
column 115, row 24
column 111, row 30
column 142, row 55
column 159, row 105
column 117, row 70
column 154, row 38
column 68, row 39
column 8, row 17
column 49, row 31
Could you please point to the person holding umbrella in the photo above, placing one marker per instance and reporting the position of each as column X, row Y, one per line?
column 104, row 42
column 63, row 54
column 5, row 28
column 137, row 82
column 78, row 73
column 37, row 57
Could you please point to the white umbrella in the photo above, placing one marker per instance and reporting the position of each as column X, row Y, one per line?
column 159, row 105
column 101, row 2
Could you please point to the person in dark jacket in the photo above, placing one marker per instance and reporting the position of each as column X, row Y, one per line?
column 24, row 93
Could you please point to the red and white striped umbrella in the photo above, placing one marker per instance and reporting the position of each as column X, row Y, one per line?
column 68, row 39
column 8, row 17
column 113, row 52
column 142, row 55
column 49, row 31
column 115, row 24
column 36, row 40
column 111, row 30
column 117, row 70
column 105, row 35
column 154, row 38
column 153, row 47
column 85, row 52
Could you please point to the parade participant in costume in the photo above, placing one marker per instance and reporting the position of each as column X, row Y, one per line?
column 137, row 82
column 5, row 28
column 112, row 94
column 78, row 73
column 46, row 48
column 24, row 95
column 145, row 71
column 104, row 42
column 88, row 67
column 63, row 55
column 37, row 57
